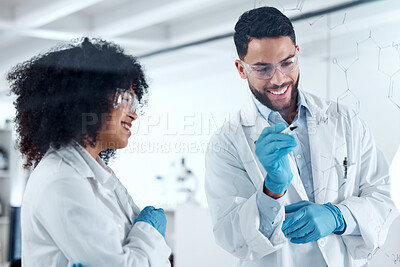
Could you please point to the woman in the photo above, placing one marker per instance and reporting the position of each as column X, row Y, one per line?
column 75, row 105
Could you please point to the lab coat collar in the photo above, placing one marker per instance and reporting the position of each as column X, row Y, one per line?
column 316, row 106
column 319, row 127
column 79, row 159
column 266, row 111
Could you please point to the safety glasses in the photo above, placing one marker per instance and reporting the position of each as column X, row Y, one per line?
column 266, row 71
column 126, row 101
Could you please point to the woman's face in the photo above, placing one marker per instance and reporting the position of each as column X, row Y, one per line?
column 116, row 131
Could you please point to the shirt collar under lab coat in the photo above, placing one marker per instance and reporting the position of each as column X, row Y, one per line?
column 80, row 159
column 267, row 112
column 249, row 111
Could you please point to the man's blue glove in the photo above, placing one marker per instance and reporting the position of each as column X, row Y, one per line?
column 311, row 221
column 272, row 149
column 154, row 217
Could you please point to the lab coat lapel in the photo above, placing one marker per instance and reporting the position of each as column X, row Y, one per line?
column 322, row 143
column 296, row 184
column 253, row 124
column 258, row 127
column 251, row 118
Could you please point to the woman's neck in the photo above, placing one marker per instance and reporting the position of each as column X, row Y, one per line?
column 94, row 151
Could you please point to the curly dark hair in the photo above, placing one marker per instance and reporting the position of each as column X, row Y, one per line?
column 260, row 23
column 57, row 89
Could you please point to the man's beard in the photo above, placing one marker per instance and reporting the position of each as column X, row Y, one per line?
column 263, row 98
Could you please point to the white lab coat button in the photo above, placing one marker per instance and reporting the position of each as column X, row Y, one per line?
column 120, row 228
column 274, row 209
column 321, row 242
column 298, row 156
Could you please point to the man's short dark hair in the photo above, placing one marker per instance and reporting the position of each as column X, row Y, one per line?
column 260, row 23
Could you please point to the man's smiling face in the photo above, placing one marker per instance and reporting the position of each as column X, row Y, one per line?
column 280, row 92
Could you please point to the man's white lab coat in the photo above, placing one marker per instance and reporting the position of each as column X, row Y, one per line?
column 234, row 175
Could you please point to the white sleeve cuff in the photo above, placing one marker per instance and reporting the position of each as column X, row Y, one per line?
column 351, row 222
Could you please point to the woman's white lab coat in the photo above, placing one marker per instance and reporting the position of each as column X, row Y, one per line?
column 234, row 174
column 75, row 210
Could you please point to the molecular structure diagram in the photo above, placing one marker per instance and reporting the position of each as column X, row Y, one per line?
column 387, row 55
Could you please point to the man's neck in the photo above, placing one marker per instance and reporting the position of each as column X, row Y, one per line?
column 289, row 114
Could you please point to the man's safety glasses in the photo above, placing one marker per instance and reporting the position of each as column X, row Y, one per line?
column 266, row 71
column 126, row 101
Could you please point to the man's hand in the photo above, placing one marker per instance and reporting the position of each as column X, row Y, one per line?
column 272, row 149
column 311, row 221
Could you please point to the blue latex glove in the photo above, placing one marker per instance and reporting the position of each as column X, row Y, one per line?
column 77, row 265
column 154, row 217
column 272, row 149
column 311, row 221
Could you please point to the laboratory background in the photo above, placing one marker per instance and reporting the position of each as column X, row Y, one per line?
column 349, row 52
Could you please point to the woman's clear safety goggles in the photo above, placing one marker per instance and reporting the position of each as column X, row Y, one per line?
column 126, row 101
column 266, row 71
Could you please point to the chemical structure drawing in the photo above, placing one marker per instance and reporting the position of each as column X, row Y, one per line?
column 378, row 230
column 388, row 55
column 284, row 6
column 326, row 169
column 289, row 8
column 333, row 25
column 388, row 65
column 299, row 6
column 348, row 99
column 336, row 25
column 394, row 90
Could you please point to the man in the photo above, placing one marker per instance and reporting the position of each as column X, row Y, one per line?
column 318, row 196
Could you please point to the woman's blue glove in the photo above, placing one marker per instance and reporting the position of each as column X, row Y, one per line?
column 311, row 221
column 272, row 149
column 154, row 217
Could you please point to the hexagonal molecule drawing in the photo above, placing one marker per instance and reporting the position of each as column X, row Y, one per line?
column 394, row 90
column 325, row 175
column 349, row 100
column 389, row 60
